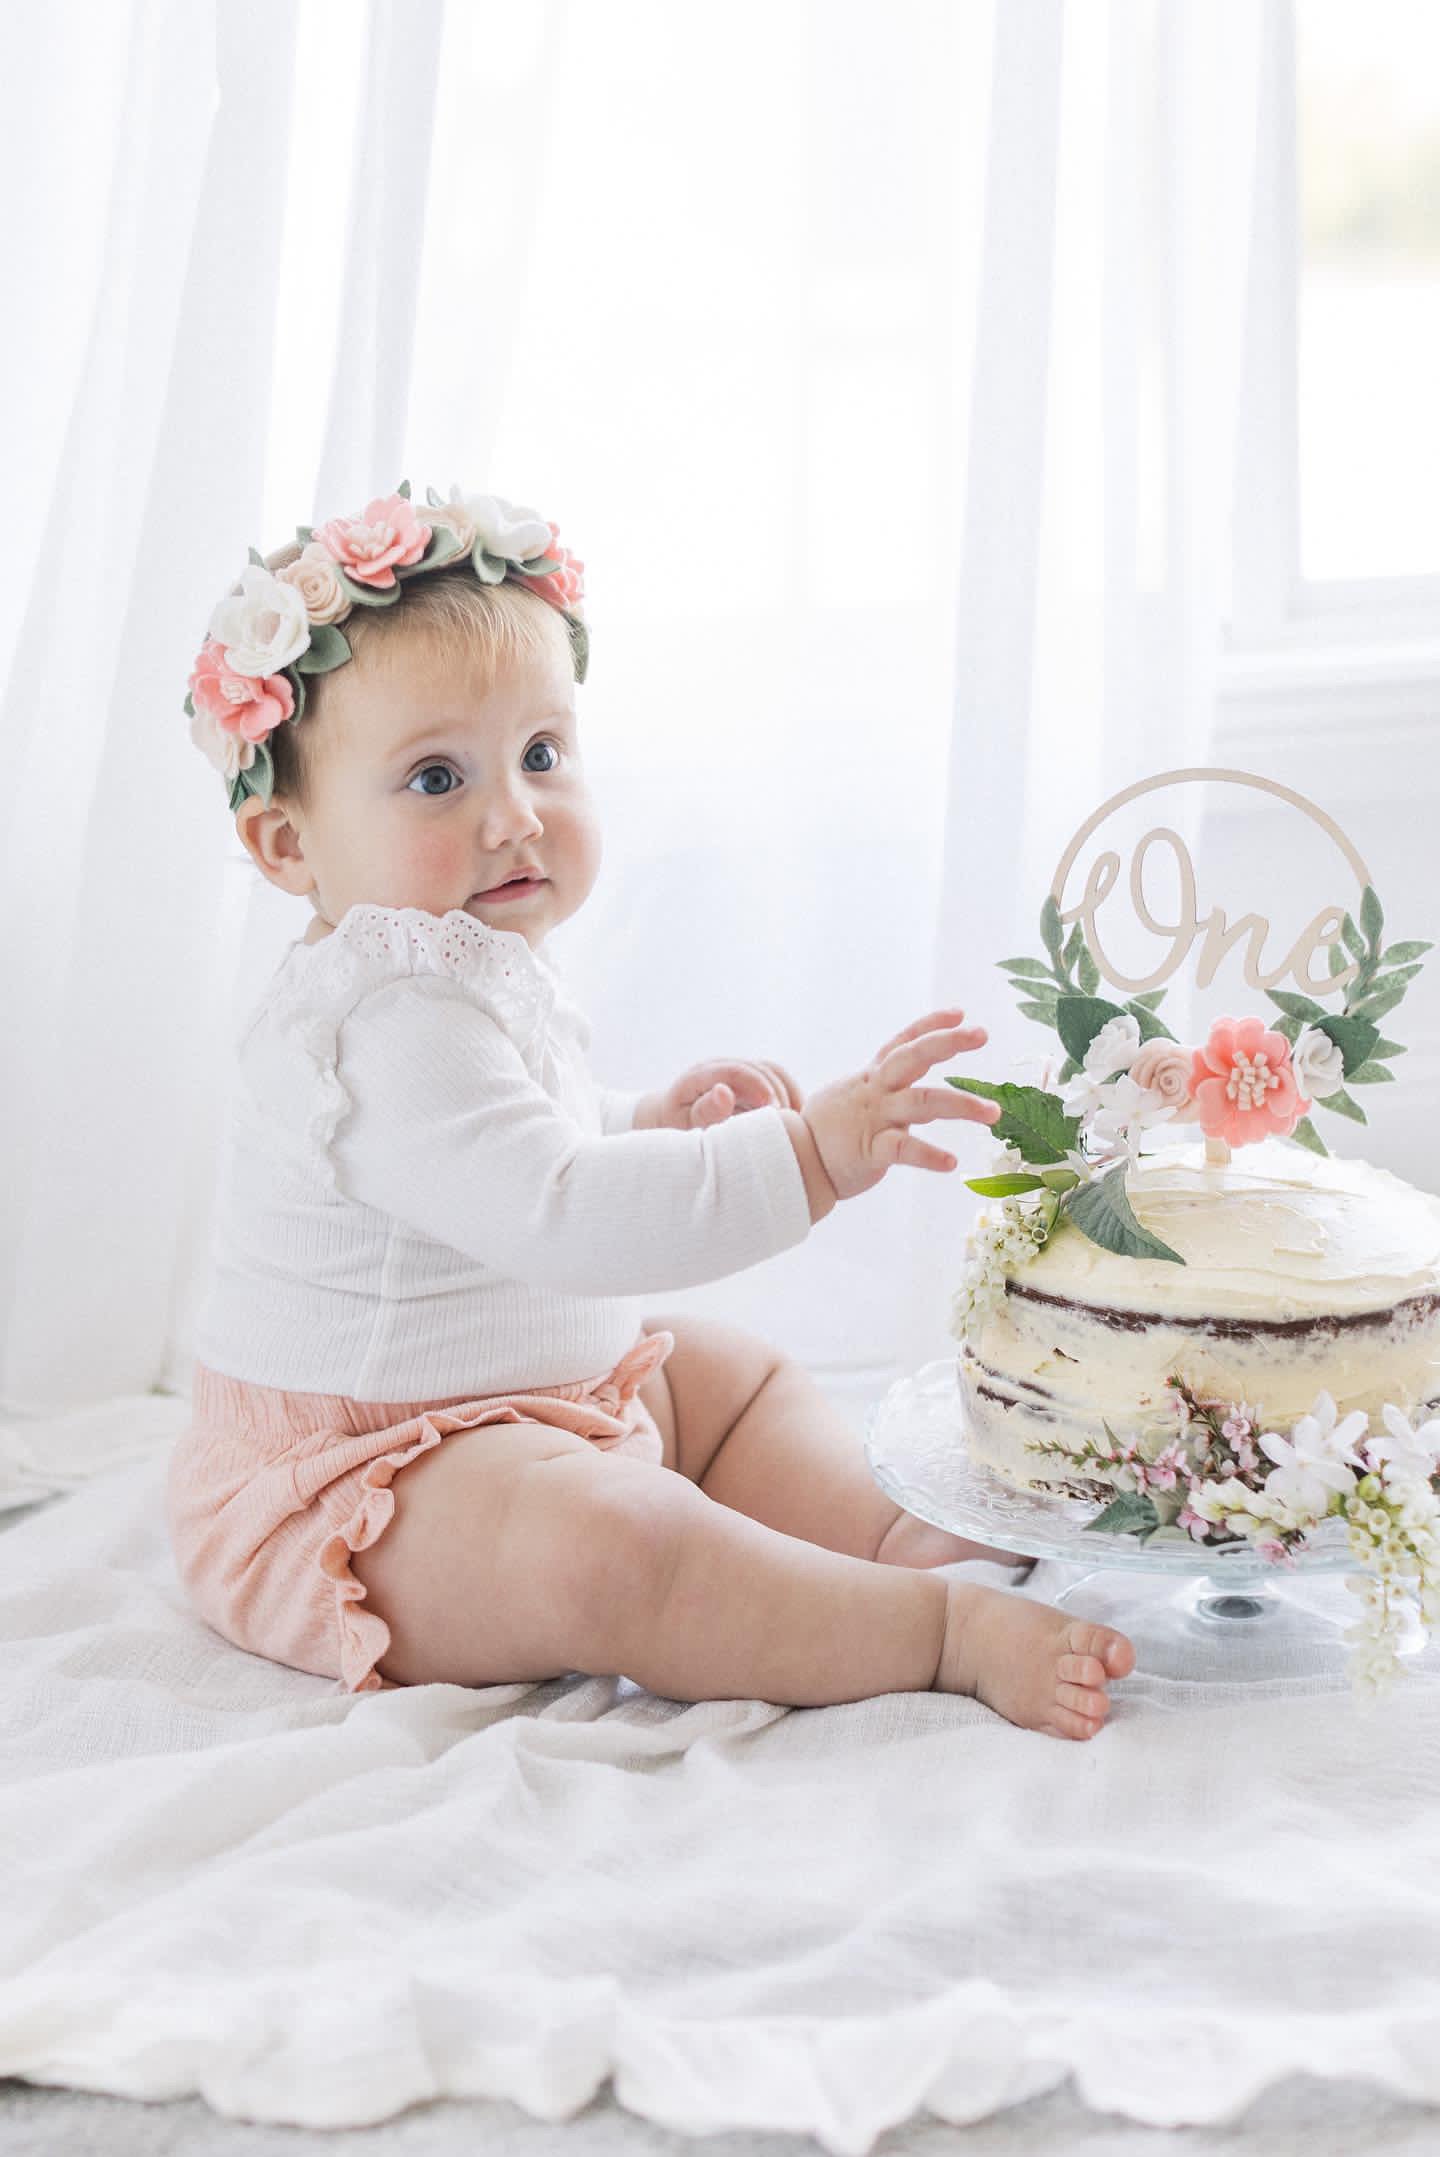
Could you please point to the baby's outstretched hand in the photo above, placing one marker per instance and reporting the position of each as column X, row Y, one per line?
column 861, row 1125
column 712, row 1092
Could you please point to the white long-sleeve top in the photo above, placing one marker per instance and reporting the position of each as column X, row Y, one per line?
column 424, row 1192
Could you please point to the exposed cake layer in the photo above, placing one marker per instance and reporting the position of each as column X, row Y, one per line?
column 1303, row 1274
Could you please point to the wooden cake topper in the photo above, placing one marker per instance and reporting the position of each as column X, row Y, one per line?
column 1256, row 1077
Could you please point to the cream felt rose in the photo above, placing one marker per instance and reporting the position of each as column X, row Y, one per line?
column 452, row 516
column 316, row 578
column 263, row 627
column 1163, row 1068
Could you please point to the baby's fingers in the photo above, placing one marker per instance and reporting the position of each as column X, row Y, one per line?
column 922, row 1104
column 926, row 1025
column 897, row 1147
column 912, row 1060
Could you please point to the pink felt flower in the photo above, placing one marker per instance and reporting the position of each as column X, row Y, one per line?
column 1244, row 1084
column 248, row 705
column 564, row 587
column 380, row 538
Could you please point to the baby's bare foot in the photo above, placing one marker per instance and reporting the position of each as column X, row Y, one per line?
column 1029, row 1661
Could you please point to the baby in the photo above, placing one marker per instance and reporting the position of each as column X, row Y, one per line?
column 433, row 1437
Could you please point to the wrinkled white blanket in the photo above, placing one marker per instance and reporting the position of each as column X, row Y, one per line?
column 221, row 1876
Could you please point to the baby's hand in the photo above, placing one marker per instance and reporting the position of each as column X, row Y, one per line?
column 859, row 1124
column 711, row 1092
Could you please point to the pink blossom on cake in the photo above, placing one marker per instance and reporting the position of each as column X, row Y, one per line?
column 371, row 545
column 1243, row 1083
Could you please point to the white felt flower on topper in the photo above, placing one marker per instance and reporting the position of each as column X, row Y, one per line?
column 1317, row 1063
column 263, row 626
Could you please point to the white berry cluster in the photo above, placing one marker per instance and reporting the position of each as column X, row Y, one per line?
column 1001, row 1240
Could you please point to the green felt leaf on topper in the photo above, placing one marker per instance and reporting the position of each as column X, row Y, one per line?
column 1372, row 916
column 1078, row 1019
column 1052, row 935
column 1152, row 1000
column 1073, row 949
column 1307, row 1134
column 1337, row 959
column 1132, row 1513
column 1343, row 1105
column 1007, row 1186
column 1355, row 943
column 1151, row 1027
column 1355, row 1039
column 1389, row 1048
column 1043, row 1014
column 1034, row 1121
column 1027, row 969
column 1399, row 953
column 257, row 558
column 1297, row 1007
column 1376, row 1005
column 1101, row 1210
column 327, row 648
column 1371, row 1075
column 1087, row 971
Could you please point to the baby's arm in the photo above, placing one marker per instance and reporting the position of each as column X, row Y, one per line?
column 447, row 1131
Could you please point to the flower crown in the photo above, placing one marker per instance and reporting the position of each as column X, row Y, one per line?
column 281, row 621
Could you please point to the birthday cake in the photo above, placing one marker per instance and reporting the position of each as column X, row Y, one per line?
column 1302, row 1274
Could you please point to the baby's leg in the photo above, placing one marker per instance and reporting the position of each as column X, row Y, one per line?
column 518, row 1552
column 753, row 1429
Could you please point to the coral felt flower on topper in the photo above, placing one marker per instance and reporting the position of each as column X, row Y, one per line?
column 281, row 621
column 1243, row 1083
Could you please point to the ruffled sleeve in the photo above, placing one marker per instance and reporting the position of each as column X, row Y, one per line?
column 371, row 947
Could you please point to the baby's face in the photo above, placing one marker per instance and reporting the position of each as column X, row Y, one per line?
column 433, row 785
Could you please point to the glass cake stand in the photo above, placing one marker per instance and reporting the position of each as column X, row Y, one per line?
column 1223, row 1614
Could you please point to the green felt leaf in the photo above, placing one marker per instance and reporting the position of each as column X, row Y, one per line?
column 1068, row 1070
column 1372, row 916
column 1354, row 941
column 1028, row 969
column 488, row 567
column 304, row 533
column 365, row 595
column 1043, row 1014
column 1078, row 1019
column 435, row 501
column 327, row 648
column 1007, row 1186
column 543, row 565
column 297, row 682
column 1152, row 1000
column 404, row 489
column 1399, row 977
column 1338, row 959
column 257, row 558
column 1307, row 1134
column 1388, row 1048
column 1399, row 953
column 1101, row 1210
column 579, row 646
column 189, row 705
column 1289, row 1028
column 1074, row 948
column 1342, row 1105
column 1371, row 1074
column 1052, row 935
column 1355, row 1039
column 444, row 546
column 1088, row 973
column 1129, row 1514
column 1297, row 1007
column 259, row 779
column 1151, row 1027
column 1034, row 1121
column 1375, row 1005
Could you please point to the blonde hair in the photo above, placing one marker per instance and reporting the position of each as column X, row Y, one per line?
column 492, row 625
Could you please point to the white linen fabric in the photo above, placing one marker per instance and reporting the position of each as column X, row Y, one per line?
column 220, row 1876
column 424, row 1194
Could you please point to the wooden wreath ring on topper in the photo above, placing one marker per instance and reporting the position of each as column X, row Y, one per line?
column 1319, row 935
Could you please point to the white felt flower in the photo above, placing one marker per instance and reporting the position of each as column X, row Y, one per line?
column 263, row 626
column 1317, row 1063
column 506, row 529
column 1114, row 1048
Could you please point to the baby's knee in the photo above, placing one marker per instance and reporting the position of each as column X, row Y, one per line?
column 605, row 1538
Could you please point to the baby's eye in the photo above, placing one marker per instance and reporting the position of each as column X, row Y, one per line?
column 439, row 792
column 544, row 743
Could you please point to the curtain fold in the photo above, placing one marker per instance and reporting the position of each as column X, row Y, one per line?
column 902, row 482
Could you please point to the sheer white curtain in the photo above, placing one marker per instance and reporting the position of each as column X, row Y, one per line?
column 882, row 375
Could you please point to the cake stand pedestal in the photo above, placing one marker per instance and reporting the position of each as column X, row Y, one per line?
column 1224, row 1615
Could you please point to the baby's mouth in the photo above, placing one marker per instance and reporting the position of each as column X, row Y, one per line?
column 515, row 887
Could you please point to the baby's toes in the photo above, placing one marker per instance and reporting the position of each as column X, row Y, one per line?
column 1107, row 1653
column 1082, row 1701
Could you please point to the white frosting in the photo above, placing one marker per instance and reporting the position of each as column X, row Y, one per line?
column 1276, row 1234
